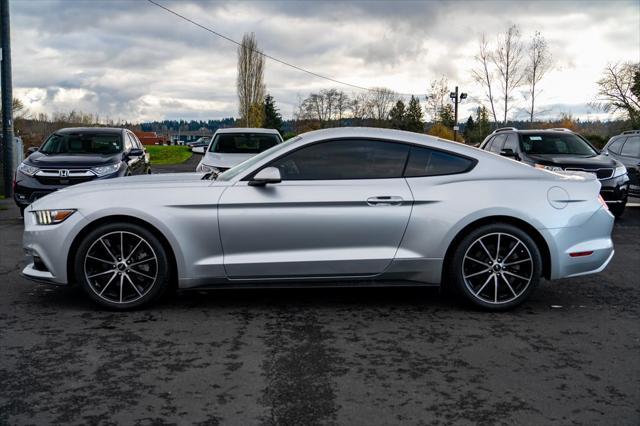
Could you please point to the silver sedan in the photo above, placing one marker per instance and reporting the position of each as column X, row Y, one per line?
column 337, row 207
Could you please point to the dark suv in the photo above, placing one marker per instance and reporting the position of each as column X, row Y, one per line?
column 562, row 149
column 76, row 155
column 626, row 149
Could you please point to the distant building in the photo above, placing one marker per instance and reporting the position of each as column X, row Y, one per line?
column 181, row 137
column 150, row 138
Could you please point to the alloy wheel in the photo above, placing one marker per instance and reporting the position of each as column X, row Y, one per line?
column 497, row 268
column 121, row 267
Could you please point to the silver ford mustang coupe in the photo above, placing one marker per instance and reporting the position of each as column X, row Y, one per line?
column 336, row 207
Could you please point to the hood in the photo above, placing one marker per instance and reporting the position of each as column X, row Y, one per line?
column 593, row 162
column 226, row 161
column 70, row 161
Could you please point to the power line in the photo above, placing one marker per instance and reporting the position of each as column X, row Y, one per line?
column 262, row 53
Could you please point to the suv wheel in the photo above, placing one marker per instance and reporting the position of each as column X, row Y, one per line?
column 617, row 209
column 122, row 266
column 496, row 267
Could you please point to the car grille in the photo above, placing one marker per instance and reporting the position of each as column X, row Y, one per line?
column 64, row 176
column 605, row 173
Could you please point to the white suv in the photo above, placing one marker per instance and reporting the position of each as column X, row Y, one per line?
column 229, row 147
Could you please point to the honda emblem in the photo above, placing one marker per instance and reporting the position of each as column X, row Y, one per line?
column 63, row 173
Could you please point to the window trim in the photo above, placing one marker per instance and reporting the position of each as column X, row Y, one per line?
column 614, row 140
column 474, row 161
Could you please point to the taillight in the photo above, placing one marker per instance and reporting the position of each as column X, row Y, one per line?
column 604, row 203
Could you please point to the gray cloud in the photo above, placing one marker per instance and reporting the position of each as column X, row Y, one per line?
column 130, row 58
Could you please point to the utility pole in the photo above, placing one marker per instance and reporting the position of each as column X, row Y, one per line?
column 456, row 100
column 7, row 99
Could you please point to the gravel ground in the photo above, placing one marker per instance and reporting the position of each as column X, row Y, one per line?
column 571, row 355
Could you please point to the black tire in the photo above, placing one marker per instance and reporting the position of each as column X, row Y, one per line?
column 500, row 282
column 107, row 277
column 617, row 209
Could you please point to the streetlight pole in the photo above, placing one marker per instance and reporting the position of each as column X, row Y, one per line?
column 7, row 98
column 456, row 100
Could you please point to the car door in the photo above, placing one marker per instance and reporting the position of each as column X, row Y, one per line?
column 630, row 157
column 135, row 162
column 341, row 210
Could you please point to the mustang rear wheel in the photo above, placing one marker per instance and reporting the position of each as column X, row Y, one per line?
column 122, row 266
column 496, row 266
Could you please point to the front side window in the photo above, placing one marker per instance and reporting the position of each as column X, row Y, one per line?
column 344, row 159
column 616, row 145
column 511, row 142
column 556, row 144
column 243, row 143
column 82, row 143
column 631, row 147
column 497, row 144
column 430, row 162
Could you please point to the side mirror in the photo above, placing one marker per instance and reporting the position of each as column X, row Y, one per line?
column 31, row 150
column 507, row 152
column 265, row 176
column 198, row 149
column 136, row 152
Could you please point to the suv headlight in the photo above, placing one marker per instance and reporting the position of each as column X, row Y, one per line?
column 106, row 170
column 52, row 217
column 620, row 170
column 551, row 168
column 27, row 169
column 203, row 168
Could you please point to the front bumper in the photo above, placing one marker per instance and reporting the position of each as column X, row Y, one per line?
column 46, row 248
column 615, row 190
column 592, row 236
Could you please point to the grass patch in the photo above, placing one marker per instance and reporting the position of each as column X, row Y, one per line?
column 160, row 155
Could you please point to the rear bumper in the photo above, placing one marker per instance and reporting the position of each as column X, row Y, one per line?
column 593, row 236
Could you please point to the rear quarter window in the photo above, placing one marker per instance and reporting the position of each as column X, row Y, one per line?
column 431, row 162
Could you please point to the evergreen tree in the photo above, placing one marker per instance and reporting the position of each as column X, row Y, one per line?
column 397, row 115
column 468, row 128
column 272, row 117
column 446, row 117
column 482, row 126
column 413, row 117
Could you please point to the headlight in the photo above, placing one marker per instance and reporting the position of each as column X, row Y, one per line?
column 620, row 170
column 551, row 168
column 106, row 170
column 51, row 217
column 203, row 168
column 27, row 169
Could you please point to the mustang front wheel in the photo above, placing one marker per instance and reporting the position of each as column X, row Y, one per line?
column 122, row 266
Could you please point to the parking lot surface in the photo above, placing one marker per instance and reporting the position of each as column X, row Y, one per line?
column 570, row 355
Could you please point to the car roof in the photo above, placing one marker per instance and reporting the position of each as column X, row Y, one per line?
column 388, row 134
column 106, row 130
column 247, row 130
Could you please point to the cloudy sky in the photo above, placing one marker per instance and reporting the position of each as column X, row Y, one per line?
column 131, row 60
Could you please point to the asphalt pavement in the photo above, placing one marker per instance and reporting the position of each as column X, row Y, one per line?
column 570, row 355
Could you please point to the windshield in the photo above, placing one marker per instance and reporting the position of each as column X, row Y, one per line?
column 82, row 143
column 243, row 143
column 240, row 168
column 556, row 143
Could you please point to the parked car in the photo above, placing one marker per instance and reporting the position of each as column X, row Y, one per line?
column 562, row 149
column 626, row 149
column 75, row 155
column 200, row 147
column 203, row 141
column 229, row 147
column 335, row 207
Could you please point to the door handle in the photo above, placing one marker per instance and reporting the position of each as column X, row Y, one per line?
column 385, row 200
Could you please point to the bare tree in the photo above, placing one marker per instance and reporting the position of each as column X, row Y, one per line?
column 619, row 90
column 539, row 63
column 250, row 84
column 361, row 106
column 508, row 59
column 437, row 97
column 484, row 74
column 382, row 100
